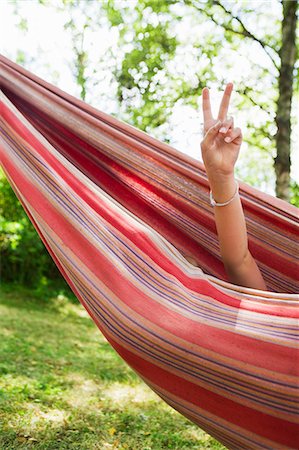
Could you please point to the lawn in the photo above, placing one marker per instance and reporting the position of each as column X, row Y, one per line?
column 63, row 387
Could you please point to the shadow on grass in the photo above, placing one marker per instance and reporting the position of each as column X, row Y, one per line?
column 56, row 334
column 99, row 425
column 46, row 297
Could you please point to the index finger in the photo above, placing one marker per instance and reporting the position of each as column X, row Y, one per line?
column 206, row 105
column 225, row 102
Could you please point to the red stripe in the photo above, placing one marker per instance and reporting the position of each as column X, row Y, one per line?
column 275, row 429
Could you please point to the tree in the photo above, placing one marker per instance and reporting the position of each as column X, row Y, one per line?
column 150, row 86
column 86, row 24
column 286, row 50
column 82, row 16
column 287, row 54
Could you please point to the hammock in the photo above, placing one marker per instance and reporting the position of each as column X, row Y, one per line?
column 121, row 214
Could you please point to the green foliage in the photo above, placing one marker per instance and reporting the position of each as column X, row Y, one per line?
column 24, row 259
column 149, row 82
column 113, row 14
column 294, row 194
column 140, row 76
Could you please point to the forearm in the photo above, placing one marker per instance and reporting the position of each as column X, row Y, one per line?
column 232, row 233
column 220, row 149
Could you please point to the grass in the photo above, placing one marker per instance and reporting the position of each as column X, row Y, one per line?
column 63, row 387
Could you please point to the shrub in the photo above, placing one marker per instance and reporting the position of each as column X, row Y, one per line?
column 24, row 259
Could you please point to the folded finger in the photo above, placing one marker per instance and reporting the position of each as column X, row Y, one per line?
column 212, row 133
column 227, row 125
column 234, row 135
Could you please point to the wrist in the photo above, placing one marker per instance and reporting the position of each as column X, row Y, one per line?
column 223, row 187
column 220, row 178
column 227, row 201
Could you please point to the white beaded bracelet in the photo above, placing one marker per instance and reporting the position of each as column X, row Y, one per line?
column 214, row 203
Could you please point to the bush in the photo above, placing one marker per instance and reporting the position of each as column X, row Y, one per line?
column 24, row 259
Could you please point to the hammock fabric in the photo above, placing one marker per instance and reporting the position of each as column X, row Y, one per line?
column 119, row 212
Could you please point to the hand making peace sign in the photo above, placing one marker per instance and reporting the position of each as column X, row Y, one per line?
column 221, row 143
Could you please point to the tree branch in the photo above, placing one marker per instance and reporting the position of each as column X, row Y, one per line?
column 246, row 92
column 243, row 32
column 260, row 146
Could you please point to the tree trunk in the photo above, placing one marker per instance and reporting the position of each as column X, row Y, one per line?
column 287, row 53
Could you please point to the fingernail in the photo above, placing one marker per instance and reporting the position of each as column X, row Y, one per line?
column 222, row 130
column 227, row 139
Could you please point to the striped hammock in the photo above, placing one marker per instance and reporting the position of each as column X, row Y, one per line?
column 122, row 214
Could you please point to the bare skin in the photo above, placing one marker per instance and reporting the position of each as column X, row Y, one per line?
column 220, row 149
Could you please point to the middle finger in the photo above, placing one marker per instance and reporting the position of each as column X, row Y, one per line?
column 225, row 102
